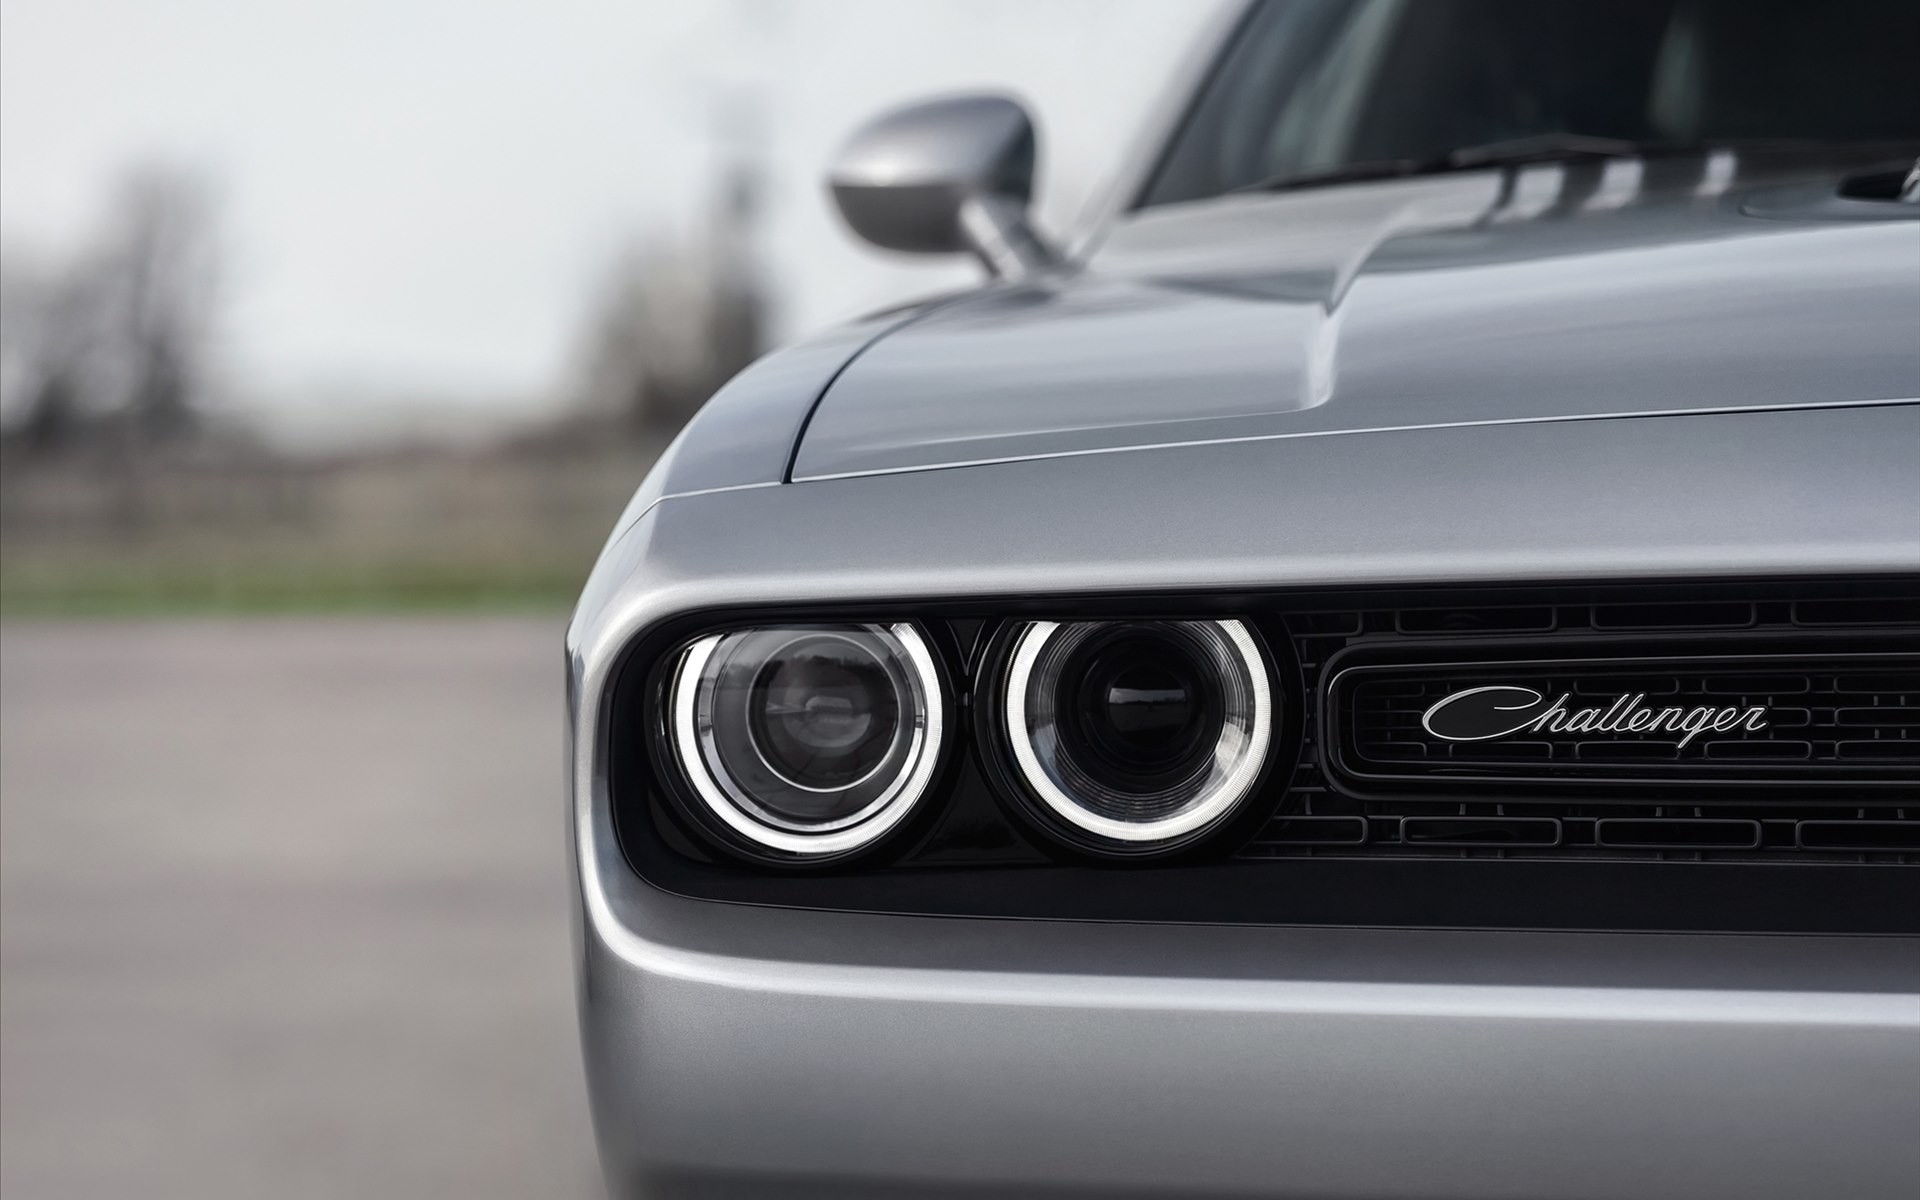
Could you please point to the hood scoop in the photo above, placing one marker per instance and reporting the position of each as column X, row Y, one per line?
column 1279, row 317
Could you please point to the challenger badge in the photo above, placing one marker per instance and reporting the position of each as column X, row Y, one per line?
column 1499, row 710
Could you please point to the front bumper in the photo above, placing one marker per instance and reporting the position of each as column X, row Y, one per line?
column 737, row 1050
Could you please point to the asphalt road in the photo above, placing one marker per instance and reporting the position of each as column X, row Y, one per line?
column 283, row 913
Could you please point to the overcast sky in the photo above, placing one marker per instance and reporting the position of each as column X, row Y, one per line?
column 419, row 197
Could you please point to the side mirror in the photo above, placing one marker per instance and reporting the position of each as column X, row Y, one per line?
column 943, row 177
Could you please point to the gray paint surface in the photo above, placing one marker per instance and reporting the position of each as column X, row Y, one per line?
column 745, row 434
column 1022, row 1057
column 1430, row 302
column 1810, row 492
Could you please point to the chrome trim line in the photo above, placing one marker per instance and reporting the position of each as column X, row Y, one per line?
column 1581, row 418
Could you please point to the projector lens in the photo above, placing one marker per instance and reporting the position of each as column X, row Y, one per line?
column 807, row 740
column 1138, row 733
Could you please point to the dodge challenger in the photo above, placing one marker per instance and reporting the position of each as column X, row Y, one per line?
column 1383, row 663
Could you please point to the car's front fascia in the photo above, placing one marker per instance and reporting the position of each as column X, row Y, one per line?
column 737, row 1045
column 1408, row 399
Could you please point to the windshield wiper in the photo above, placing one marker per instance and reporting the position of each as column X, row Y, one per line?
column 1513, row 152
column 1542, row 148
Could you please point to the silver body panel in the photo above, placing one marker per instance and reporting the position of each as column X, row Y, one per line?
column 1384, row 306
column 1773, row 493
column 734, row 1050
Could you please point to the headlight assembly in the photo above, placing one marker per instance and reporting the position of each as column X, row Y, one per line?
column 805, row 742
column 1136, row 737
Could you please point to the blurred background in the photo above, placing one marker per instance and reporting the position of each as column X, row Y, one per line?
column 333, row 337
column 365, row 304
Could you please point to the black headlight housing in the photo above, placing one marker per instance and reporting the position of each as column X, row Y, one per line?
column 1302, row 847
column 857, row 741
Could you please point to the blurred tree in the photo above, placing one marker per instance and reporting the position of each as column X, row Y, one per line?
column 48, row 334
column 647, row 360
column 117, row 339
column 675, row 320
column 159, row 278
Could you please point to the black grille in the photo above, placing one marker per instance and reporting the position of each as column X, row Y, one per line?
column 1831, row 772
column 1746, row 721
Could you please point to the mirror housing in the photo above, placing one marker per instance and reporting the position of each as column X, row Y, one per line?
column 945, row 176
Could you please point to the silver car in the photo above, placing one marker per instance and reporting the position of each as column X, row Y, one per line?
column 1386, row 666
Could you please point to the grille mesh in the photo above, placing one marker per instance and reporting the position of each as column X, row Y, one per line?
column 1848, row 716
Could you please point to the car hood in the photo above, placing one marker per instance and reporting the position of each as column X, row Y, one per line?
column 1491, row 297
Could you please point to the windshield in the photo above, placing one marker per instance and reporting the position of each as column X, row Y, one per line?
column 1311, row 86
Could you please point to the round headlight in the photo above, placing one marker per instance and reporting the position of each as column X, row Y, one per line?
column 807, row 740
column 1138, row 735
